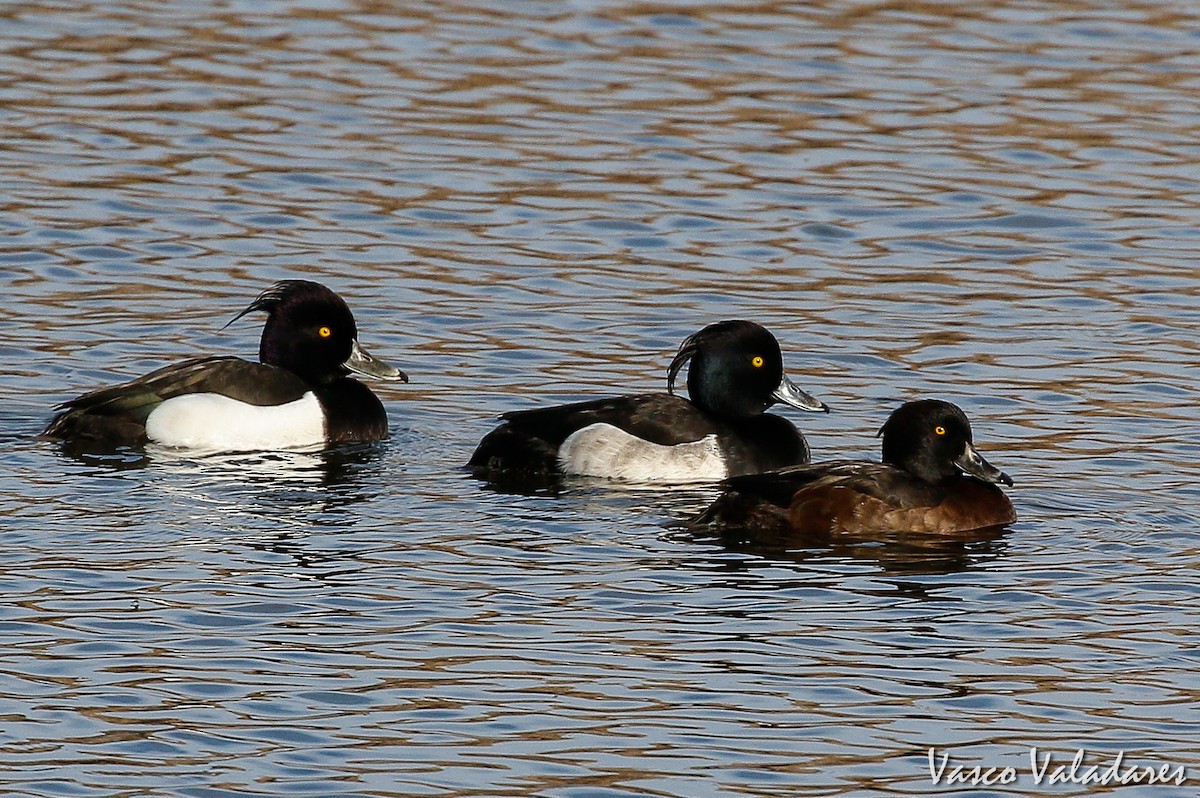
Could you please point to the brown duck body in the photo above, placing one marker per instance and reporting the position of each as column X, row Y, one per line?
column 931, row 483
column 851, row 498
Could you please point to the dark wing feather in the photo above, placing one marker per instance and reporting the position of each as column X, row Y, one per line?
column 119, row 412
column 655, row 417
column 812, row 499
column 760, row 502
column 779, row 486
column 528, row 440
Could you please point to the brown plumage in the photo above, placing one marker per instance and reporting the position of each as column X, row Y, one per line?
column 932, row 481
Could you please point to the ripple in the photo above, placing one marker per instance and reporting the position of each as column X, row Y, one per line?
column 537, row 204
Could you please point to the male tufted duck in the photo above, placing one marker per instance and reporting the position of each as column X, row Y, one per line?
column 736, row 373
column 300, row 393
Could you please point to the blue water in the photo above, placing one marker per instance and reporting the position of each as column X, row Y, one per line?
column 534, row 204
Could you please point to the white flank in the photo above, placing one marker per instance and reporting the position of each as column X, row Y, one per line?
column 603, row 450
column 214, row 422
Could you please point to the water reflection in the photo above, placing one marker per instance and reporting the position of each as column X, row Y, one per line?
column 317, row 466
column 297, row 490
column 676, row 506
column 910, row 554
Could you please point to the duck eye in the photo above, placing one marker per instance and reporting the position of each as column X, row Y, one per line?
column 324, row 332
column 940, row 430
column 756, row 361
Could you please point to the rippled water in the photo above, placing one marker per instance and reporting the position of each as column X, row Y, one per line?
column 527, row 203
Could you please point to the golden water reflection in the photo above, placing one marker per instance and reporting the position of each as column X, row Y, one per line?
column 533, row 203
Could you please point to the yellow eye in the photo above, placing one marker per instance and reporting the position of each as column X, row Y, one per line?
column 324, row 332
column 940, row 430
column 756, row 361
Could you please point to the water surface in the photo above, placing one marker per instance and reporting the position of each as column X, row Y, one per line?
column 534, row 204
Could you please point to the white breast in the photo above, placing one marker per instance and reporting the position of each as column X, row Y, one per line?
column 602, row 450
column 215, row 422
